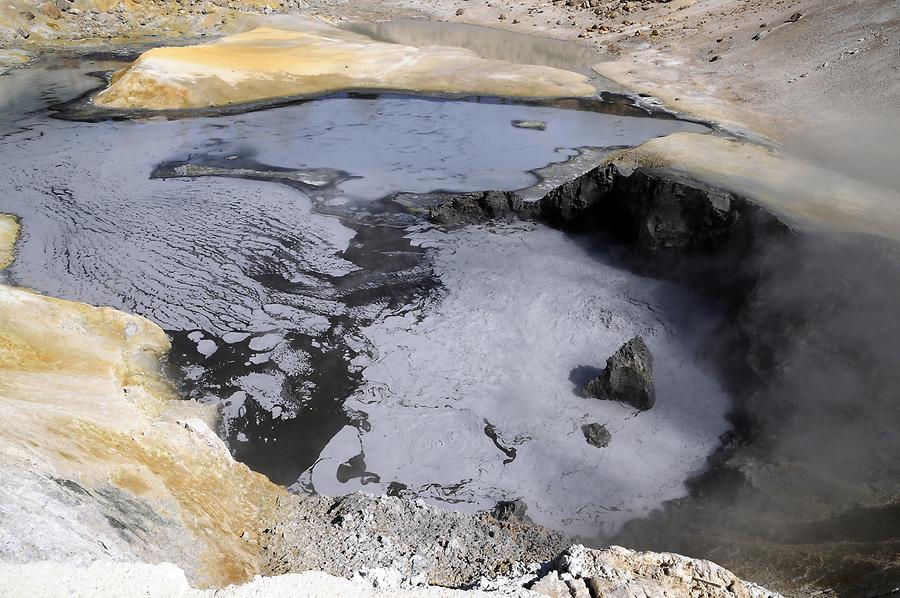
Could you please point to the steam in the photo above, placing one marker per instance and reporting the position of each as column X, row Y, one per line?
column 866, row 149
column 809, row 487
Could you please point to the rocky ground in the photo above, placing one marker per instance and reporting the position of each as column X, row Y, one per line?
column 33, row 23
column 576, row 573
column 416, row 542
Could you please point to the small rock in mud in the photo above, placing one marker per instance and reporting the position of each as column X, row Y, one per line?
column 628, row 377
column 596, row 435
column 535, row 125
column 510, row 509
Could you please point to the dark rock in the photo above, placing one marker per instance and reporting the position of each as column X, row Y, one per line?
column 596, row 435
column 398, row 489
column 628, row 377
column 473, row 208
column 507, row 510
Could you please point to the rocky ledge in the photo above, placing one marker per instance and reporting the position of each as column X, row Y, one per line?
column 693, row 193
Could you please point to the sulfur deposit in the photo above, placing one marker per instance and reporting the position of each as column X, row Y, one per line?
column 315, row 58
column 9, row 232
column 101, row 464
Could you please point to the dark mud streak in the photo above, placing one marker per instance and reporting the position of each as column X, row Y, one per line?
column 491, row 432
column 392, row 273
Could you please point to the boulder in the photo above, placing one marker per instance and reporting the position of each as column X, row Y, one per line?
column 628, row 377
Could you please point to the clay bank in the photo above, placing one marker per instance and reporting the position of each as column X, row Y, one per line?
column 430, row 336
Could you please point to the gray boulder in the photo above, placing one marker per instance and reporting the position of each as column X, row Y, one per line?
column 628, row 377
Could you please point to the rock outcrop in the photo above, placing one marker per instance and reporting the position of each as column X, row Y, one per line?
column 664, row 214
column 689, row 194
column 473, row 208
column 628, row 377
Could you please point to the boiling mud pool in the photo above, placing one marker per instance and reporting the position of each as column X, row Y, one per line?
column 350, row 345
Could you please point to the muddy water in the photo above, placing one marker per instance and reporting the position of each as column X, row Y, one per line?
column 349, row 344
